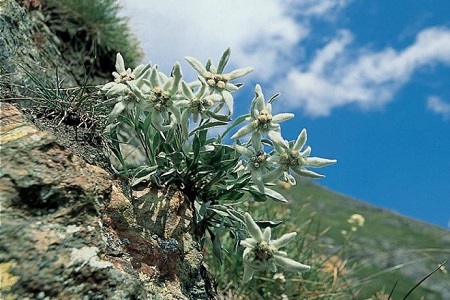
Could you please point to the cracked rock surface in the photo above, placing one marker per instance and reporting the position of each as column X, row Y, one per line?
column 70, row 232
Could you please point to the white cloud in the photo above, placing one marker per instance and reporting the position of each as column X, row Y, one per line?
column 340, row 75
column 439, row 106
column 259, row 31
column 317, row 7
column 268, row 35
column 264, row 34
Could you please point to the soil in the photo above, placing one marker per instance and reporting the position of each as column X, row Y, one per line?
column 80, row 133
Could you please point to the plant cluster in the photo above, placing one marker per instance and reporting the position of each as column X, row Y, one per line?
column 75, row 106
column 176, row 124
column 88, row 33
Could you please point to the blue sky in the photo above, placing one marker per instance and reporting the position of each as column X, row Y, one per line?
column 369, row 80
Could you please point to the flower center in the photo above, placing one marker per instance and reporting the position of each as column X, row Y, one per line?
column 263, row 251
column 216, row 80
column 258, row 159
column 124, row 77
column 263, row 121
column 199, row 106
column 160, row 99
column 291, row 159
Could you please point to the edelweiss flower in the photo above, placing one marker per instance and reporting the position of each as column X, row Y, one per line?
column 289, row 157
column 262, row 253
column 160, row 96
column 261, row 120
column 257, row 164
column 199, row 104
column 216, row 80
column 122, row 76
column 119, row 89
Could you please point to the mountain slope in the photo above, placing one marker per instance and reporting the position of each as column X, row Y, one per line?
column 389, row 247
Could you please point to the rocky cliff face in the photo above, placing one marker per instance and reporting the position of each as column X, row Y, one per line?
column 24, row 46
column 69, row 231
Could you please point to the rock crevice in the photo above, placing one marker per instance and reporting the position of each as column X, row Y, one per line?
column 69, row 231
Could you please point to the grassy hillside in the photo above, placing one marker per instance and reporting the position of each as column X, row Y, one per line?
column 389, row 248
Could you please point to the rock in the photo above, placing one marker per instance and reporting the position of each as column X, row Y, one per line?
column 70, row 232
column 26, row 44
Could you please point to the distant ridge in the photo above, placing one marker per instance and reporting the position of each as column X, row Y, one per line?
column 408, row 249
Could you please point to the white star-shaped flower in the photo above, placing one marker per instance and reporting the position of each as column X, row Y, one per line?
column 217, row 81
column 262, row 253
column 160, row 96
column 261, row 120
column 119, row 88
column 289, row 156
column 257, row 164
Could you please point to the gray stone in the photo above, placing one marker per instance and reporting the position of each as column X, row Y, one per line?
column 27, row 43
column 70, row 232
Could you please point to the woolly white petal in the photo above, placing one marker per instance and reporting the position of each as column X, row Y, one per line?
column 272, row 175
column 278, row 141
column 272, row 266
column 253, row 228
column 181, row 103
column 283, row 240
column 231, row 87
column 118, row 108
column 107, row 86
column 290, row 264
column 154, row 78
column 244, row 150
column 228, row 99
column 249, row 243
column 239, row 72
column 306, row 173
column 136, row 91
column 176, row 73
column 257, row 179
column 187, row 91
column 120, row 65
column 196, row 65
column 267, row 234
column 248, row 273
column 243, row 131
column 306, row 152
column 142, row 70
column 282, row 117
column 116, row 89
column 318, row 162
column 176, row 114
column 301, row 140
column 256, row 140
column 167, row 86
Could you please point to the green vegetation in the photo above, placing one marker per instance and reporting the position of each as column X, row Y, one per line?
column 389, row 248
column 88, row 34
column 388, row 253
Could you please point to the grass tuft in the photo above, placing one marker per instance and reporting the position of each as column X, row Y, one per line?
column 91, row 33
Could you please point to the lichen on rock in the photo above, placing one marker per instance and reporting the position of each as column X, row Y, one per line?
column 69, row 231
column 72, row 231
